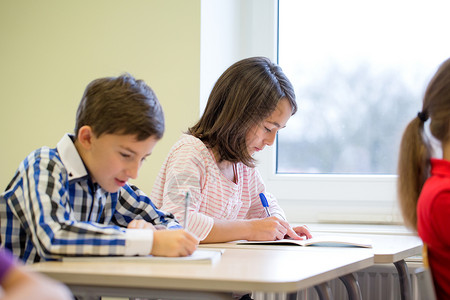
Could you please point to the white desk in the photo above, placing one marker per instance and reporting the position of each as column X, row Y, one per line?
column 395, row 249
column 387, row 248
column 239, row 270
column 323, row 290
column 391, row 242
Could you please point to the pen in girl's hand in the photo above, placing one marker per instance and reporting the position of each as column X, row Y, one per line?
column 264, row 203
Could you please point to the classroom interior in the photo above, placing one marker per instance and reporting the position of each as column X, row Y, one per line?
column 52, row 49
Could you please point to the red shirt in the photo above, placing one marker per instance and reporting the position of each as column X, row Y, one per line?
column 433, row 224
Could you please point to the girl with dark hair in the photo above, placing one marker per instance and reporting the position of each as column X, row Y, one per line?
column 250, row 102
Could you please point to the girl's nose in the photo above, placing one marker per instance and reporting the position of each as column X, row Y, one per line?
column 270, row 139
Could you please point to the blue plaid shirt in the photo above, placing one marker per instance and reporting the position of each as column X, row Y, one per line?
column 51, row 208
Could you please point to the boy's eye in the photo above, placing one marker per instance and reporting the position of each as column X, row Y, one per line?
column 124, row 155
column 267, row 129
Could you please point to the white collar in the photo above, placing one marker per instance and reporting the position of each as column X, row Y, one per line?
column 71, row 158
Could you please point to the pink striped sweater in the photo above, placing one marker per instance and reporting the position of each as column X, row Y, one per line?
column 191, row 166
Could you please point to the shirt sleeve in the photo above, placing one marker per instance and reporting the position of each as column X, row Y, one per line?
column 256, row 210
column 138, row 242
column 40, row 201
column 7, row 261
column 185, row 171
column 134, row 204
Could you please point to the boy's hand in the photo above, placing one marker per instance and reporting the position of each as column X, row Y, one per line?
column 173, row 243
column 141, row 224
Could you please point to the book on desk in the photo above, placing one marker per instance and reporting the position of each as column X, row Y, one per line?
column 321, row 240
column 200, row 256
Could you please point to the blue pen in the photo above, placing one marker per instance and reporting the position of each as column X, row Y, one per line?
column 264, row 203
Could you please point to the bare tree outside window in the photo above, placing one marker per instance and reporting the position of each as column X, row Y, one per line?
column 359, row 70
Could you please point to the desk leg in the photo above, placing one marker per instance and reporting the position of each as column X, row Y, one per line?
column 324, row 291
column 405, row 280
column 352, row 286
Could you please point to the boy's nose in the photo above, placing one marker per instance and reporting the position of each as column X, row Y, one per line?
column 133, row 171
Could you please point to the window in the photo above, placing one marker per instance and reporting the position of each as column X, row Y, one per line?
column 359, row 69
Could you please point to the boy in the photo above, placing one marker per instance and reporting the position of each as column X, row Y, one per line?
column 75, row 200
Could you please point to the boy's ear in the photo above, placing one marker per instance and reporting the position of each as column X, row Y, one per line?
column 85, row 136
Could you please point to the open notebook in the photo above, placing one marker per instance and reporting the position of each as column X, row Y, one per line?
column 200, row 256
column 322, row 240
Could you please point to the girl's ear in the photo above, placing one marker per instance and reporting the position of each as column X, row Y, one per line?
column 85, row 136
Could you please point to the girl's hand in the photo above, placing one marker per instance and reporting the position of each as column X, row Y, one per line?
column 303, row 231
column 270, row 229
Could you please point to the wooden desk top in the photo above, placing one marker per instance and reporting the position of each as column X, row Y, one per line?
column 237, row 270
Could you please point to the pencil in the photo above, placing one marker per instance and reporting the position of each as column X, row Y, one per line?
column 186, row 210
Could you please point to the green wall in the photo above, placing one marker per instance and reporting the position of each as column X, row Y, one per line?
column 51, row 49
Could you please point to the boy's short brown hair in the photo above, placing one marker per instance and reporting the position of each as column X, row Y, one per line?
column 243, row 96
column 121, row 105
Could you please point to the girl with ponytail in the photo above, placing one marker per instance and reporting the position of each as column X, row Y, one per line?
column 424, row 181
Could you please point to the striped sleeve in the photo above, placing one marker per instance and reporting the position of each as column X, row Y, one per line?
column 256, row 184
column 184, row 170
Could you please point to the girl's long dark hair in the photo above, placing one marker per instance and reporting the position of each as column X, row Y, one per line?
column 243, row 96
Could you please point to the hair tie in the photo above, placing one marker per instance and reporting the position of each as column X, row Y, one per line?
column 422, row 116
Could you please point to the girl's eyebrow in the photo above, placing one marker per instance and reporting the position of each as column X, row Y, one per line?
column 276, row 124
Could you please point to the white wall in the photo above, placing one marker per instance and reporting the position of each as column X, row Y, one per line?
column 232, row 30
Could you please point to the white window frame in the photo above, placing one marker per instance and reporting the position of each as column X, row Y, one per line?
column 249, row 28
column 329, row 198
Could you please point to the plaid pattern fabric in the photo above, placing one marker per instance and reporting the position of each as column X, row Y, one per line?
column 51, row 208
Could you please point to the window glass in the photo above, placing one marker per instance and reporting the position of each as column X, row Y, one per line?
column 359, row 69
